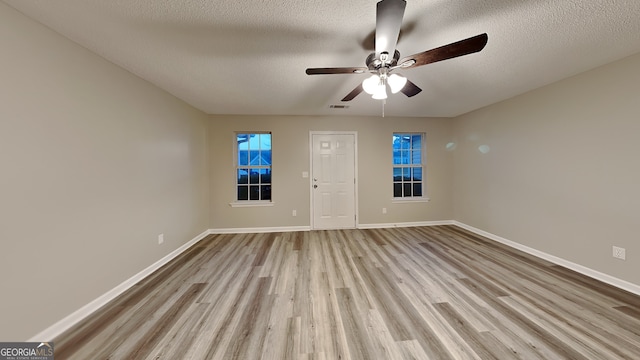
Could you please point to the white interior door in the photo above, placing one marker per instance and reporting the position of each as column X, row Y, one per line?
column 333, row 194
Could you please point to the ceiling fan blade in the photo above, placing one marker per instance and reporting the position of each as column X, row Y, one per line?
column 340, row 70
column 355, row 92
column 460, row 48
column 389, row 15
column 410, row 89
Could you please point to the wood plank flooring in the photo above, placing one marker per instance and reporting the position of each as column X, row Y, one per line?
column 404, row 293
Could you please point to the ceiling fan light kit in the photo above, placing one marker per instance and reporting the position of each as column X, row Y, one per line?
column 376, row 85
column 389, row 14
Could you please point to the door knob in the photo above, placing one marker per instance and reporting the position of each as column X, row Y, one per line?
column 315, row 186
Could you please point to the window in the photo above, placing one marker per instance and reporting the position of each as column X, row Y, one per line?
column 408, row 165
column 253, row 166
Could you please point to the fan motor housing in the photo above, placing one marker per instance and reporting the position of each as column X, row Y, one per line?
column 374, row 63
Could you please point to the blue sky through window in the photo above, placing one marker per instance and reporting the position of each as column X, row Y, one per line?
column 254, row 149
column 407, row 165
column 253, row 180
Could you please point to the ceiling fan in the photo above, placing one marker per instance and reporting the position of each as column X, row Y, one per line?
column 386, row 58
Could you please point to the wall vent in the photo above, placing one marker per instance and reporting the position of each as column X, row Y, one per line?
column 339, row 106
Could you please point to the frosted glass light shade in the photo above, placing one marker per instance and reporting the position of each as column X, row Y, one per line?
column 370, row 84
column 396, row 82
column 381, row 92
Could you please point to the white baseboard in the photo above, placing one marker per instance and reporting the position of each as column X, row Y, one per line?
column 259, row 230
column 66, row 323
column 619, row 283
column 405, row 224
column 308, row 228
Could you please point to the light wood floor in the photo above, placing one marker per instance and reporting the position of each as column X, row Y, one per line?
column 406, row 293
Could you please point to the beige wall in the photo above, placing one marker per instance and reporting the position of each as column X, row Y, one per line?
column 94, row 164
column 291, row 158
column 562, row 174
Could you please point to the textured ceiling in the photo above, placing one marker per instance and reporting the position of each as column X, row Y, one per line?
column 249, row 57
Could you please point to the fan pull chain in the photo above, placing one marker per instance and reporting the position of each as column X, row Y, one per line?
column 384, row 101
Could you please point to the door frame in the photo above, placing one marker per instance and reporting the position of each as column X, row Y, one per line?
column 355, row 173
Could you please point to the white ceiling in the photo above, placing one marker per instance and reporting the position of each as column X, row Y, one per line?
column 249, row 57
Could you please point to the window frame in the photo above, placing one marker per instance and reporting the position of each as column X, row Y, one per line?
column 422, row 166
column 237, row 167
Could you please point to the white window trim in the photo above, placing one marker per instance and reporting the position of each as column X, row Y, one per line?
column 415, row 199
column 251, row 203
column 399, row 200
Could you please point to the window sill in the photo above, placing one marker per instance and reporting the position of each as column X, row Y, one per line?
column 251, row 203
column 410, row 200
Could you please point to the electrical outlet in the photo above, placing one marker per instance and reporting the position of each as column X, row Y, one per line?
column 384, row 210
column 619, row 253
column 294, row 213
column 160, row 239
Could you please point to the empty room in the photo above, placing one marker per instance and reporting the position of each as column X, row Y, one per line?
column 286, row 179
